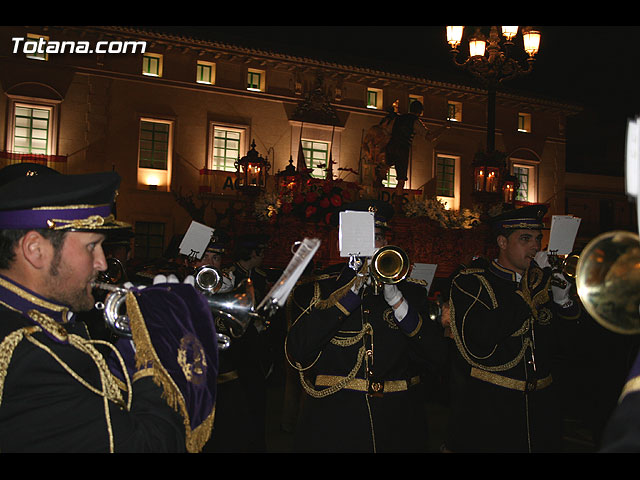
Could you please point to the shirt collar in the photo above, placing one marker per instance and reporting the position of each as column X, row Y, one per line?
column 504, row 272
column 22, row 300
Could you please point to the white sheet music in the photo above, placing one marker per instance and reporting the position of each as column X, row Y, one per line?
column 356, row 236
column 564, row 229
column 196, row 239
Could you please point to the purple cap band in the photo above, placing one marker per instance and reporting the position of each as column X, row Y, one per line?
column 23, row 219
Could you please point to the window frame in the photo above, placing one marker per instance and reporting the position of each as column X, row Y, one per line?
column 524, row 122
column 457, row 117
column 150, row 178
column 212, row 72
column 379, row 98
column 243, row 130
column 159, row 57
column 262, row 79
column 451, row 202
column 532, row 184
column 43, row 104
column 307, row 160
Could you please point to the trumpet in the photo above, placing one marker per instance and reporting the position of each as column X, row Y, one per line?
column 566, row 266
column 118, row 321
column 389, row 265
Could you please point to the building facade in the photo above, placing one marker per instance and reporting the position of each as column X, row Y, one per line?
column 172, row 115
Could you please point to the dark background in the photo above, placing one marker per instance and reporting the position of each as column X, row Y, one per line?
column 594, row 67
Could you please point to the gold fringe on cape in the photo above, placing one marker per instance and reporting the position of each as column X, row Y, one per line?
column 146, row 355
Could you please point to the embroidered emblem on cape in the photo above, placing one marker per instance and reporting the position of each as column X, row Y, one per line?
column 192, row 360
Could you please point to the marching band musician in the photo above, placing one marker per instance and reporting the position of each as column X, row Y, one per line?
column 251, row 352
column 502, row 316
column 359, row 357
column 58, row 393
column 233, row 430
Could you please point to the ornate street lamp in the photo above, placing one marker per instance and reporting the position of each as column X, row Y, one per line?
column 251, row 171
column 492, row 61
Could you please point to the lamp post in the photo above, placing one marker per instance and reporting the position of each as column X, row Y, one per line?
column 492, row 61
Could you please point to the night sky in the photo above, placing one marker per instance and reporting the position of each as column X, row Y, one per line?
column 593, row 66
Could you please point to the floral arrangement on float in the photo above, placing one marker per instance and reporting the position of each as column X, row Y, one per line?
column 435, row 209
column 316, row 200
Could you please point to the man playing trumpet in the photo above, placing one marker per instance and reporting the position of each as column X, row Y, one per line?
column 360, row 355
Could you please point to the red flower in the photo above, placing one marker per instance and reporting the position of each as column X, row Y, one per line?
column 326, row 188
column 310, row 211
column 327, row 218
column 299, row 198
column 346, row 195
column 312, row 197
column 324, row 203
column 336, row 200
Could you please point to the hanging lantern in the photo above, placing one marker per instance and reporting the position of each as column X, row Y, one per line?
column 252, row 170
column 288, row 179
column 509, row 189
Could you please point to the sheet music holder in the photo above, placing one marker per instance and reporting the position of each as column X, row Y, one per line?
column 280, row 291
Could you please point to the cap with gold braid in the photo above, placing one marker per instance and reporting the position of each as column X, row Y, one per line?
column 60, row 202
column 529, row 217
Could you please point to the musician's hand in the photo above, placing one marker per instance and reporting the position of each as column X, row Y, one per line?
column 560, row 294
column 542, row 259
column 171, row 278
column 392, row 295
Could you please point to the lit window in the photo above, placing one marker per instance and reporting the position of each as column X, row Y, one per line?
column 226, row 148
column 155, row 154
column 445, row 176
column 524, row 122
column 32, row 129
column 390, row 181
column 316, row 155
column 154, row 145
column 374, row 98
column 152, row 64
column 255, row 80
column 447, row 172
column 206, row 72
column 31, row 47
column 454, row 111
column 526, row 176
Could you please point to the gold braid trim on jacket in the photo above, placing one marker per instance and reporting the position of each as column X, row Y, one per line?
column 110, row 384
column 342, row 342
column 458, row 336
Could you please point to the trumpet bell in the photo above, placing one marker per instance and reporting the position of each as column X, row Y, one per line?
column 608, row 281
column 208, row 278
column 390, row 264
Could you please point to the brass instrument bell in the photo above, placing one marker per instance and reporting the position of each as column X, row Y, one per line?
column 608, row 281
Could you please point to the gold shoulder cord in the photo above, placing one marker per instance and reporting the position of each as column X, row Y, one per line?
column 459, row 338
column 110, row 390
column 339, row 341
